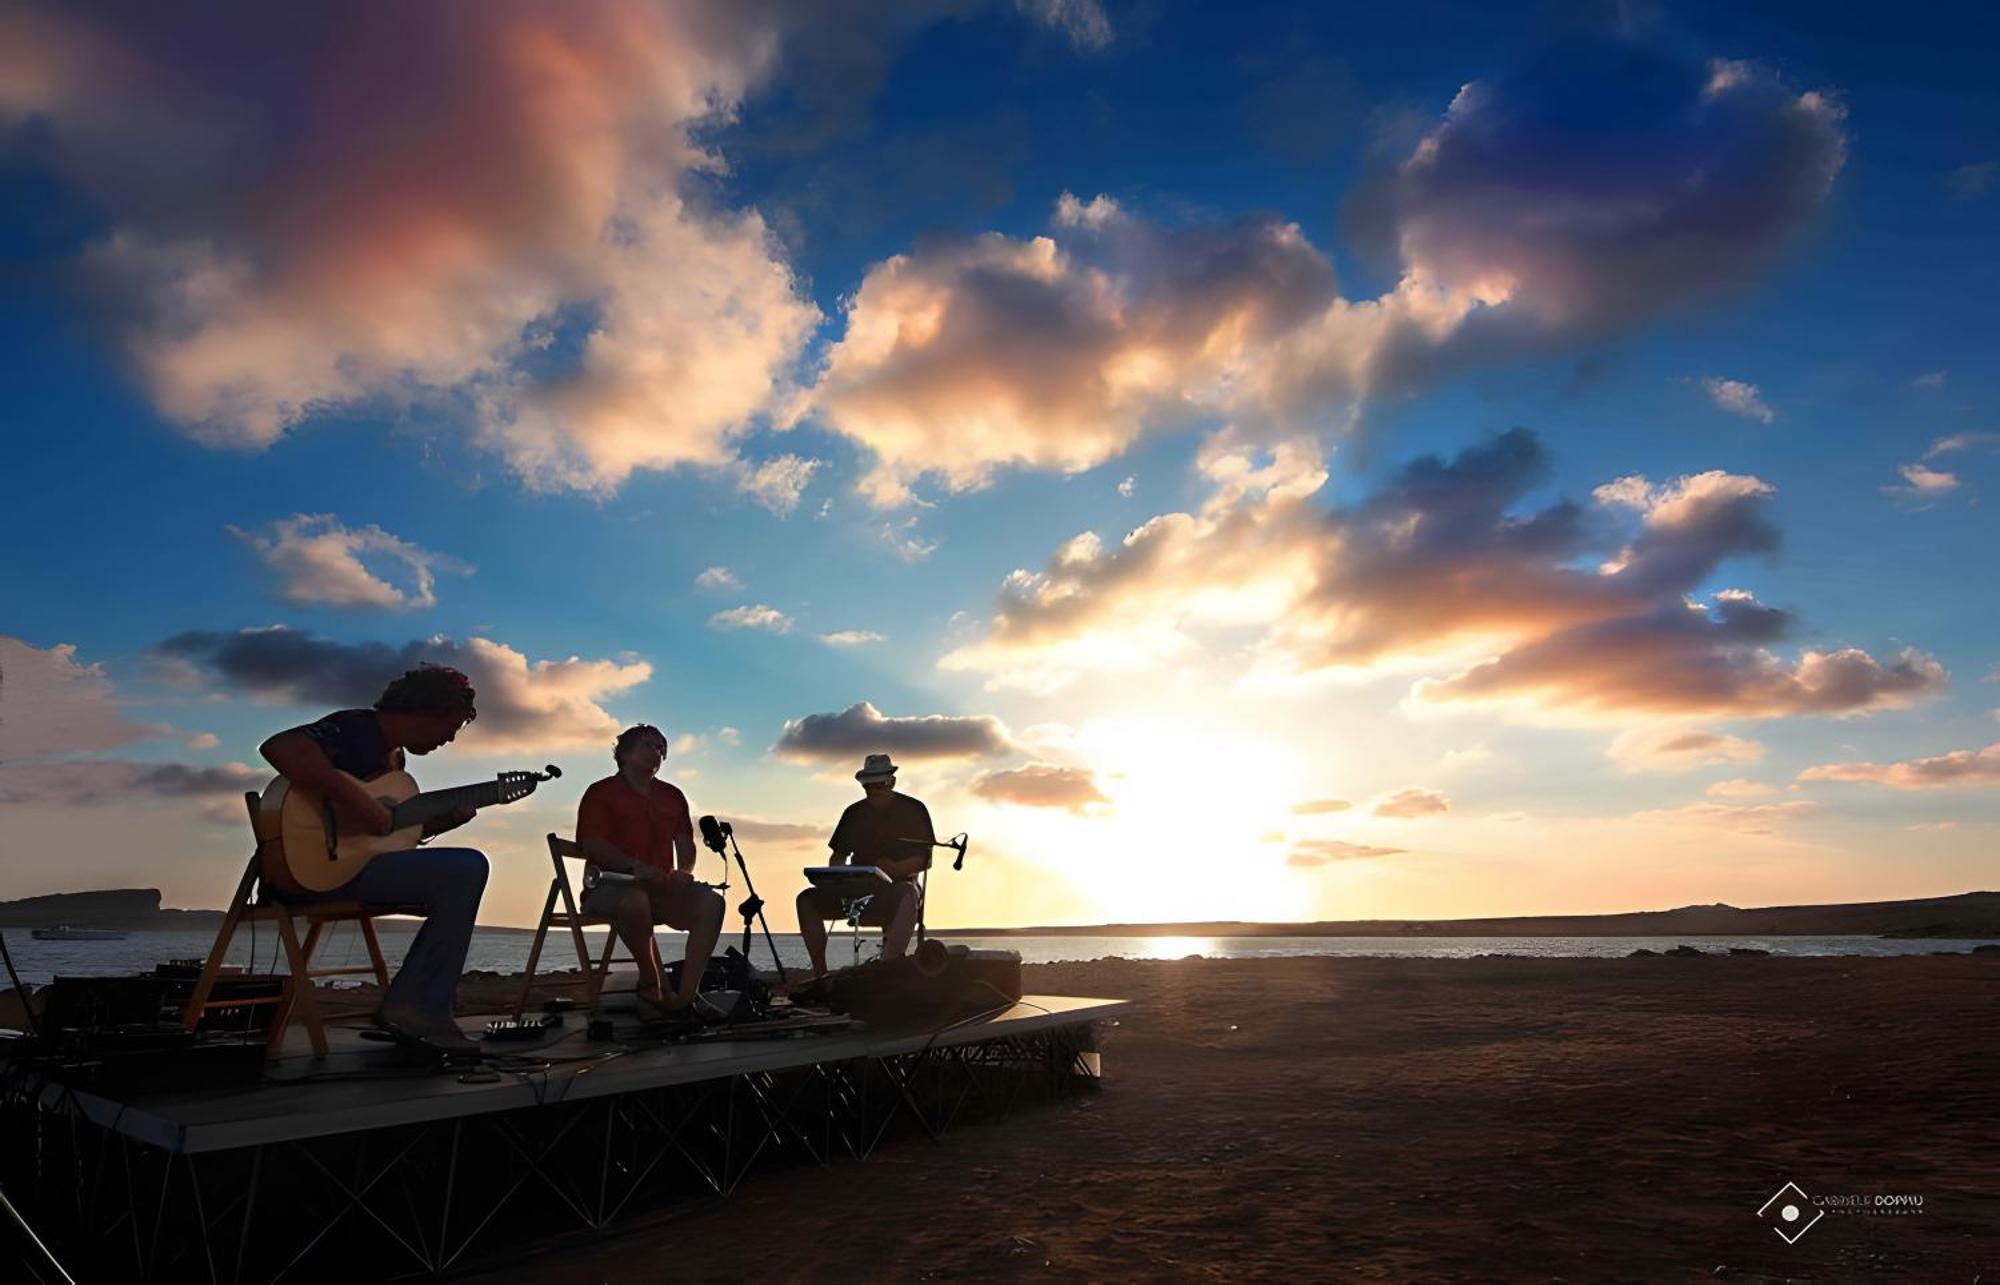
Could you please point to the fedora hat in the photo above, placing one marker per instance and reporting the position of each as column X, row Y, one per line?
column 877, row 768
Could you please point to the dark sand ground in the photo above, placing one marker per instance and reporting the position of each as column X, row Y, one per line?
column 1424, row 1119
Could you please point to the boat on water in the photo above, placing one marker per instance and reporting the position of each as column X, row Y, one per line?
column 65, row 932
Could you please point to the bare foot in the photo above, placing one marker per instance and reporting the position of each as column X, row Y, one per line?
column 437, row 1031
column 659, row 1001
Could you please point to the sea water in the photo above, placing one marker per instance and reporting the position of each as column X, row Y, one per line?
column 505, row 950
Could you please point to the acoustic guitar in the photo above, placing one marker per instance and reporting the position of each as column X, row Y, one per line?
column 304, row 843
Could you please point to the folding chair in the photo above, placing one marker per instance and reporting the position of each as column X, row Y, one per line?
column 265, row 907
column 594, row 973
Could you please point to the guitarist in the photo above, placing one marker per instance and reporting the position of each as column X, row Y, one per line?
column 419, row 712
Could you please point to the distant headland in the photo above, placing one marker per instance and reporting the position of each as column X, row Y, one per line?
column 1967, row 914
column 128, row 908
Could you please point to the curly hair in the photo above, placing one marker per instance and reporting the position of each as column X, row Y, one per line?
column 632, row 736
column 430, row 689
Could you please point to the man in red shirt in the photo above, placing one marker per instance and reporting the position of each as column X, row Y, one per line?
column 634, row 824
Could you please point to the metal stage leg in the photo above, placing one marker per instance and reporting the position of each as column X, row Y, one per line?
column 429, row 1197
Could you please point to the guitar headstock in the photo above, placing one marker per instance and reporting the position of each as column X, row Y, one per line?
column 519, row 785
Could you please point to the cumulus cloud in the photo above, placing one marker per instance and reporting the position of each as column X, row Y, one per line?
column 1697, row 660
column 1083, row 21
column 850, row 638
column 1679, row 749
column 1043, row 785
column 753, row 616
column 492, row 206
column 1312, row 853
column 906, row 541
column 1971, row 179
column 715, row 578
column 1320, row 807
column 1589, row 192
column 1963, row 442
column 52, row 703
column 524, row 705
column 1958, row 768
column 1606, row 181
column 861, row 729
column 1740, row 788
column 778, row 482
column 1412, row 803
column 111, row 782
column 1592, row 610
column 1743, row 818
column 754, row 830
column 1738, row 398
column 53, row 707
column 1922, row 485
column 321, row 561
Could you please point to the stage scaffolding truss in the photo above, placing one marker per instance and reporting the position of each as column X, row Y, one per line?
column 419, row 1199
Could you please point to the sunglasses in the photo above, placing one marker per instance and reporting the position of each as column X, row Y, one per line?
column 877, row 785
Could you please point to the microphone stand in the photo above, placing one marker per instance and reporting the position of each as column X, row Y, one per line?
column 957, row 844
column 753, row 905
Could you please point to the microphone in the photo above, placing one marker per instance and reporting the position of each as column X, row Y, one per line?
column 713, row 832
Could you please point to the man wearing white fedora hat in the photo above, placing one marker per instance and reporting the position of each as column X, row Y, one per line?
column 885, row 829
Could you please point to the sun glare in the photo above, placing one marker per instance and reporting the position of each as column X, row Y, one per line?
column 1180, row 837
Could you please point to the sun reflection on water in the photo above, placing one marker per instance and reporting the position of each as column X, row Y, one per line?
column 1169, row 947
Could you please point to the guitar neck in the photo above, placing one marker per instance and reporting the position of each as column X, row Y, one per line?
column 421, row 809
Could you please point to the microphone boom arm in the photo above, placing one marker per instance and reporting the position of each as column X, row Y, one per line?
column 956, row 843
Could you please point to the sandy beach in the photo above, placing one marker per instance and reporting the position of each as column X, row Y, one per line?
column 1392, row 1119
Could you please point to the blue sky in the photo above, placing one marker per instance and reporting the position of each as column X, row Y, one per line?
column 834, row 329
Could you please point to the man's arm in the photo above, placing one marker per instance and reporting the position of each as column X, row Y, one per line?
column 918, row 845
column 605, row 856
column 299, row 759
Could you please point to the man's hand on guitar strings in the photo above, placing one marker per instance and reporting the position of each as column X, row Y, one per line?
column 367, row 812
column 450, row 820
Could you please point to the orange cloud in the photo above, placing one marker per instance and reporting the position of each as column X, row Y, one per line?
column 1679, row 749
column 53, row 704
column 1508, row 233
column 1412, row 803
column 323, row 561
column 1588, row 611
column 1313, row 853
column 861, row 729
column 1743, row 818
column 1043, row 785
column 524, row 705
column 1958, row 768
column 486, row 206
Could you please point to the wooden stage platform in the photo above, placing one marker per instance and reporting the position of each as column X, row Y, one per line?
column 359, row 1158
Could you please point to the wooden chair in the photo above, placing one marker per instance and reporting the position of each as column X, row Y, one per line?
column 561, row 850
column 253, row 904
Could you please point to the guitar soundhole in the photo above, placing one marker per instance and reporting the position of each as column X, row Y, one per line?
column 332, row 828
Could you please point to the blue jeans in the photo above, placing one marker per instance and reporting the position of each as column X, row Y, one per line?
column 447, row 883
